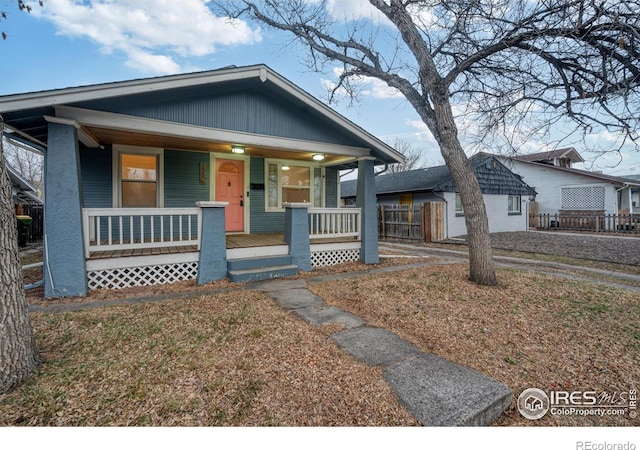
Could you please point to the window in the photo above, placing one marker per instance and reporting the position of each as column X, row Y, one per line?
column 515, row 205
column 137, row 177
column 459, row 210
column 293, row 183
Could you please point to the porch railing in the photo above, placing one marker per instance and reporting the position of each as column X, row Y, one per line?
column 107, row 229
column 334, row 222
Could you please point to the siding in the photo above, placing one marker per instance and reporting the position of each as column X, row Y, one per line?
column 246, row 110
column 95, row 172
column 331, row 187
column 262, row 221
column 182, row 188
column 497, row 213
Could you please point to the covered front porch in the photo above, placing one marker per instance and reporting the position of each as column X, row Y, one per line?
column 127, row 247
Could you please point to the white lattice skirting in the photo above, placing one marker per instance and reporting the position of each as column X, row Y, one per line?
column 162, row 272
column 333, row 257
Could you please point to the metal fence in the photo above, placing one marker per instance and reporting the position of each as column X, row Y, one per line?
column 597, row 223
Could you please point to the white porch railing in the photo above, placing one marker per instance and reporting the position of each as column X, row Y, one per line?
column 107, row 229
column 334, row 222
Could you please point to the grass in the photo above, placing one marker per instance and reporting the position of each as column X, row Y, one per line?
column 215, row 360
column 533, row 330
column 236, row 359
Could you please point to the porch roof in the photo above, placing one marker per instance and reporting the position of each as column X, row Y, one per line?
column 27, row 114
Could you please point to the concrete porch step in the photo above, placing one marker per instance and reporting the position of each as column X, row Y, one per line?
column 262, row 273
column 259, row 262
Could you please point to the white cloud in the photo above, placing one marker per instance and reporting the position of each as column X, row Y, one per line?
column 153, row 34
column 367, row 86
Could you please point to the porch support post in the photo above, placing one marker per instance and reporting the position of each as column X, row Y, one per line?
column 366, row 201
column 65, row 273
column 296, row 234
column 212, row 264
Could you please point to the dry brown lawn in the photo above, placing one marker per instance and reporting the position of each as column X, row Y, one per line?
column 234, row 359
column 531, row 331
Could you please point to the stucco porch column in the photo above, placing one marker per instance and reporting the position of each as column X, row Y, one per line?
column 296, row 234
column 65, row 273
column 212, row 265
column 366, row 201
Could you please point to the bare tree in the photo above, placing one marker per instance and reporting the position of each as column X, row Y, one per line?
column 508, row 61
column 411, row 156
column 19, row 357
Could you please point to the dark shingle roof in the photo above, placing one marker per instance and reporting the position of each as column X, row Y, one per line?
column 493, row 176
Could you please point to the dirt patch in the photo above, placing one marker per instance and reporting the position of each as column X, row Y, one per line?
column 583, row 246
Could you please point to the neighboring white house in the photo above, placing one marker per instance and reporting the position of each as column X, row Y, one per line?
column 564, row 190
column 506, row 196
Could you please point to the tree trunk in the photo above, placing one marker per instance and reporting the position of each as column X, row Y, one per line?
column 19, row 357
column 481, row 266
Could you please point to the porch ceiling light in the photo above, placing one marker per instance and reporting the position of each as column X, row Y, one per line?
column 318, row 156
column 237, row 149
column 285, row 167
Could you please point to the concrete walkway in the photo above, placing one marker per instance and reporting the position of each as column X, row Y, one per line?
column 436, row 391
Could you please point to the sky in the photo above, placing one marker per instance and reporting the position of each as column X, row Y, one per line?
column 70, row 43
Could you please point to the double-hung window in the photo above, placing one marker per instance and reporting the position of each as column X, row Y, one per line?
column 137, row 181
column 515, row 206
column 292, row 182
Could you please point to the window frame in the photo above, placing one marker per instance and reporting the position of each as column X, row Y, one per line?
column 117, row 180
column 458, row 202
column 518, row 202
column 312, row 185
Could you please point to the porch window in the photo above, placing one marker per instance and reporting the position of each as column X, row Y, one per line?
column 137, row 178
column 293, row 183
column 515, row 205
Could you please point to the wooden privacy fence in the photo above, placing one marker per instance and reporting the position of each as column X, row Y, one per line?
column 599, row 223
column 35, row 231
column 424, row 222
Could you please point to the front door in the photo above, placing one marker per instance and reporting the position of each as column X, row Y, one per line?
column 230, row 188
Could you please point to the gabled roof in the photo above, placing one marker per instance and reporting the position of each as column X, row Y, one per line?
column 25, row 113
column 570, row 153
column 493, row 176
column 618, row 181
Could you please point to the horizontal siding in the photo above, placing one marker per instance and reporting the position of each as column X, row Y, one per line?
column 262, row 221
column 331, row 187
column 182, row 188
column 95, row 172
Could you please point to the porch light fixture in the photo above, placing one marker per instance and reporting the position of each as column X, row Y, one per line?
column 237, row 149
column 318, row 157
column 285, row 167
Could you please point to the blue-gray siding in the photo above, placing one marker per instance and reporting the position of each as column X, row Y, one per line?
column 182, row 188
column 246, row 110
column 331, row 188
column 95, row 169
column 262, row 221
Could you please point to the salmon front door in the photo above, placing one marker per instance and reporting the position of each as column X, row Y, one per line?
column 230, row 188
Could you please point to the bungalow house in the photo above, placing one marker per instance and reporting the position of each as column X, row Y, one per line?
column 231, row 172
column 567, row 191
column 506, row 196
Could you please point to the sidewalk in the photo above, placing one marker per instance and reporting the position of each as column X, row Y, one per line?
column 436, row 391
